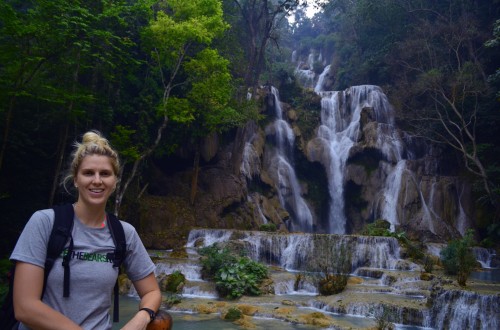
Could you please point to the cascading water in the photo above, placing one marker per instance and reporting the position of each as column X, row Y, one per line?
column 281, row 168
column 302, row 252
column 338, row 133
column 391, row 193
column 464, row 310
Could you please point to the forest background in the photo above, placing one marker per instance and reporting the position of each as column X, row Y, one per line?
column 158, row 76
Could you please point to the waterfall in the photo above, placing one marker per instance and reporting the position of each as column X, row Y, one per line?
column 207, row 237
column 319, row 85
column 391, row 193
column 339, row 131
column 255, row 199
column 281, row 168
column 484, row 256
column 464, row 310
column 302, row 252
column 462, row 217
column 250, row 164
column 427, row 211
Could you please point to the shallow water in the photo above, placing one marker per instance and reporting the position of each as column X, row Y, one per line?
column 491, row 275
column 187, row 321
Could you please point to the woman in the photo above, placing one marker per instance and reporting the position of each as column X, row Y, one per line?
column 94, row 172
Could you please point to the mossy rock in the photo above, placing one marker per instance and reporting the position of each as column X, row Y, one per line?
column 173, row 283
column 233, row 314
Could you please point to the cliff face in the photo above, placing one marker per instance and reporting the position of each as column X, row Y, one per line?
column 335, row 179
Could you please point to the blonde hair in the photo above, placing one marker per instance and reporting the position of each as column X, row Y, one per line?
column 93, row 143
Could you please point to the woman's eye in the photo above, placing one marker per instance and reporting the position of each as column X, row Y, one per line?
column 105, row 173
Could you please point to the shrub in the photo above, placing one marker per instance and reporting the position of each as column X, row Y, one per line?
column 214, row 258
column 428, row 264
column 239, row 278
column 458, row 259
column 233, row 314
column 379, row 227
column 171, row 299
column 234, row 275
column 268, row 227
column 334, row 273
column 174, row 282
column 332, row 284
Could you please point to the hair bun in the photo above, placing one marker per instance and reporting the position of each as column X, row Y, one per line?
column 95, row 138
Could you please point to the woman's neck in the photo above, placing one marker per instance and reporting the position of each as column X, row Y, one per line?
column 90, row 216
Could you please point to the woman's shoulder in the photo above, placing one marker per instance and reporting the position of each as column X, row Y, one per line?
column 127, row 227
column 43, row 217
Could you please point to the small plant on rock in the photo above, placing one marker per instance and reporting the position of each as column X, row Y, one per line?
column 458, row 259
column 335, row 273
column 233, row 314
column 271, row 227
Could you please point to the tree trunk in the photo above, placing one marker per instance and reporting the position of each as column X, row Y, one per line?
column 194, row 178
column 6, row 133
column 62, row 142
column 61, row 147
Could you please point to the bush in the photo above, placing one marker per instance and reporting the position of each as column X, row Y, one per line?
column 271, row 227
column 174, row 282
column 332, row 284
column 458, row 259
column 379, row 227
column 334, row 273
column 234, row 275
column 233, row 314
column 214, row 258
column 239, row 278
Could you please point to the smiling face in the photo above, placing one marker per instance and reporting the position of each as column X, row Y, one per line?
column 95, row 180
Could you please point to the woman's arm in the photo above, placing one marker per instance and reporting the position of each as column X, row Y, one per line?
column 150, row 294
column 28, row 306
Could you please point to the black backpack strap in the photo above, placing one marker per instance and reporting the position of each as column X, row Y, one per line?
column 118, row 256
column 61, row 232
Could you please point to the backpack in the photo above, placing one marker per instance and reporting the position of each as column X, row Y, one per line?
column 60, row 234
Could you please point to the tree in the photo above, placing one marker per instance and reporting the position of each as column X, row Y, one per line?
column 443, row 81
column 61, row 56
column 458, row 259
column 260, row 18
column 209, row 99
column 179, row 31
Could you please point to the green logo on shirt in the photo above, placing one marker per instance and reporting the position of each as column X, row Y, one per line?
column 86, row 256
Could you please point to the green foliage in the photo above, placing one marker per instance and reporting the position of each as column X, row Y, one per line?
column 211, row 93
column 170, row 299
column 379, row 227
column 233, row 314
column 271, row 227
column 173, row 282
column 5, row 267
column 121, row 139
column 239, row 278
column 213, row 259
column 234, row 276
column 458, row 259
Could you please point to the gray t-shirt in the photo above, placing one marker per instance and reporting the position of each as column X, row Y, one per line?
column 92, row 274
